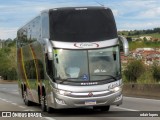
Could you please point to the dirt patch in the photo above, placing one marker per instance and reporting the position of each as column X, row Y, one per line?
column 8, row 82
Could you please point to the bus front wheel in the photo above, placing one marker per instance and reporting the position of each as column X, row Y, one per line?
column 49, row 109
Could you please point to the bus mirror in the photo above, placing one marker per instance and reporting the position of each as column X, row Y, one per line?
column 50, row 56
column 48, row 48
column 125, row 45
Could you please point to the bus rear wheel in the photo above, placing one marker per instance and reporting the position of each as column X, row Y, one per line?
column 25, row 99
column 43, row 103
column 102, row 108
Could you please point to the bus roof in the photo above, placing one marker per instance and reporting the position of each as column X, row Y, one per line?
column 76, row 8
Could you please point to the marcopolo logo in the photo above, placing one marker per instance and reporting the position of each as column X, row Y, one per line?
column 86, row 45
column 90, row 94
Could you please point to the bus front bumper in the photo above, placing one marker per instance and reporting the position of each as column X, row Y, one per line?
column 61, row 101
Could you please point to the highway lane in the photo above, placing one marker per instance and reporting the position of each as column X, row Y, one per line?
column 10, row 100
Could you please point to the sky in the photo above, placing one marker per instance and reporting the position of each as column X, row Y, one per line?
column 129, row 14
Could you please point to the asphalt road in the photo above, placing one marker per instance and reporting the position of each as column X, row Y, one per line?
column 10, row 100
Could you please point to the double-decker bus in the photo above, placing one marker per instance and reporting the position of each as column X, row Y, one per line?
column 70, row 57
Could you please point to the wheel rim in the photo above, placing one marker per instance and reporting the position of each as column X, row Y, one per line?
column 43, row 103
column 24, row 96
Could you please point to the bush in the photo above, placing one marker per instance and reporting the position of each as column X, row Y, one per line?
column 146, row 77
column 134, row 70
column 156, row 72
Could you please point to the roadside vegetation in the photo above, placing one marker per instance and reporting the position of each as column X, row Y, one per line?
column 137, row 72
column 137, row 33
column 139, row 43
column 143, row 44
column 8, row 60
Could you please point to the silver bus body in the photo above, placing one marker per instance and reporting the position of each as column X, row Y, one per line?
column 61, row 69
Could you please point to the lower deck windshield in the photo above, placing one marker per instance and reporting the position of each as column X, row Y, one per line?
column 86, row 65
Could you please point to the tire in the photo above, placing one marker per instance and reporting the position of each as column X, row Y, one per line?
column 49, row 109
column 26, row 101
column 43, row 103
column 102, row 108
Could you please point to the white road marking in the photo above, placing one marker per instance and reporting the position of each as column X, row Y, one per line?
column 28, row 110
column 49, row 118
column 21, row 106
column 143, row 99
column 14, row 91
column 5, row 100
column 8, row 101
column 125, row 109
column 14, row 103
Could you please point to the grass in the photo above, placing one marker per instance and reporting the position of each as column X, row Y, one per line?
column 154, row 35
column 136, row 44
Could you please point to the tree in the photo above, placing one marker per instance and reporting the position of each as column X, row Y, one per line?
column 134, row 70
column 156, row 30
column 129, row 34
column 145, row 39
column 8, row 61
column 129, row 39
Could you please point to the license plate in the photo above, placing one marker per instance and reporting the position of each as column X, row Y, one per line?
column 91, row 102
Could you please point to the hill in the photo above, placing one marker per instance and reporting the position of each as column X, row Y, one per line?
column 135, row 33
column 138, row 38
column 155, row 33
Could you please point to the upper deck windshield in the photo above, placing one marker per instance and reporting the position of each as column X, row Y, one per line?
column 87, row 65
column 73, row 25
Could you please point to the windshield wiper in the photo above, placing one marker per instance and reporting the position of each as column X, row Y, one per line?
column 63, row 80
column 107, row 75
column 67, row 79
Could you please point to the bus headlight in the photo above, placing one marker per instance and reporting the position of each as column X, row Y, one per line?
column 63, row 92
column 59, row 101
column 118, row 88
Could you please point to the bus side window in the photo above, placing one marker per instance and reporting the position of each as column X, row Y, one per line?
column 49, row 66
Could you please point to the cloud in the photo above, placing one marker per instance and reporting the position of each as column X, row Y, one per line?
column 129, row 14
column 139, row 25
column 6, row 33
column 150, row 13
column 137, row 9
column 115, row 12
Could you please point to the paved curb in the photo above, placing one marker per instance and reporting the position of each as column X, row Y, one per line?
column 8, row 82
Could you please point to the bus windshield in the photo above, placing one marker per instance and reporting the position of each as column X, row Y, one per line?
column 87, row 65
column 82, row 25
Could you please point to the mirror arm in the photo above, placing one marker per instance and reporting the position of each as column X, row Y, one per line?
column 125, row 45
column 48, row 48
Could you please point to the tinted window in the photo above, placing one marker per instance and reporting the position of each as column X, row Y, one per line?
column 45, row 25
column 29, row 33
column 82, row 25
